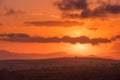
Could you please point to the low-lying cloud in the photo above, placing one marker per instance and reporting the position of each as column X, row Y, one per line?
column 66, row 39
column 54, row 23
column 88, row 8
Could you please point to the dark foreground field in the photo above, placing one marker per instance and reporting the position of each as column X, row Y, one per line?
column 60, row 69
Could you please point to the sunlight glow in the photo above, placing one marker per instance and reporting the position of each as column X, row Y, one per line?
column 81, row 49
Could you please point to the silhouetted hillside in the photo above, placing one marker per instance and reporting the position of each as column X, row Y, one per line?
column 57, row 62
column 60, row 69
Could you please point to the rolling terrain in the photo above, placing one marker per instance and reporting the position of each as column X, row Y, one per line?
column 56, row 66
column 60, row 69
column 58, row 63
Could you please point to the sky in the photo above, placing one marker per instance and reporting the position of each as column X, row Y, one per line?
column 80, row 27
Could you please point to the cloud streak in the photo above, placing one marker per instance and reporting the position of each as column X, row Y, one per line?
column 1, row 24
column 55, row 23
column 66, row 39
column 13, row 12
column 87, row 8
column 93, row 29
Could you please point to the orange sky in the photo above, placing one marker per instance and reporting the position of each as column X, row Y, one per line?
column 47, row 19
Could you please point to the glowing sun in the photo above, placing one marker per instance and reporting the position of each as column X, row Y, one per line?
column 81, row 49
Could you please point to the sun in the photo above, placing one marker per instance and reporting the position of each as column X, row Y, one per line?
column 80, row 49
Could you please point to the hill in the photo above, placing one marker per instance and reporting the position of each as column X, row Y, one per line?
column 58, row 62
column 60, row 69
column 7, row 55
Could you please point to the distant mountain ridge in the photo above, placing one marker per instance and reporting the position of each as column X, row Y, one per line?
column 6, row 55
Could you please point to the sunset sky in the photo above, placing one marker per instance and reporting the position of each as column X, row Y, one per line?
column 80, row 27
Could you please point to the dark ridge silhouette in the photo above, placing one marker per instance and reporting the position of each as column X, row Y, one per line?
column 60, row 69
column 57, row 62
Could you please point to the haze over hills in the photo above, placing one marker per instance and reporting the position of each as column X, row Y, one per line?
column 6, row 55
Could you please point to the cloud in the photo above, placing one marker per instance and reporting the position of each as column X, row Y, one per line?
column 115, row 38
column 13, row 12
column 12, row 35
column 55, row 23
column 93, row 29
column 88, row 8
column 85, row 40
column 66, row 39
column 26, row 38
column 1, row 24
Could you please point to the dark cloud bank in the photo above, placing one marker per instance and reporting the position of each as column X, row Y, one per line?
column 83, row 9
column 66, row 39
column 55, row 23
